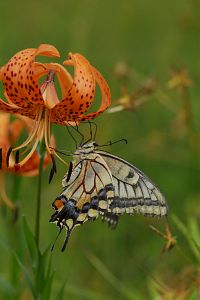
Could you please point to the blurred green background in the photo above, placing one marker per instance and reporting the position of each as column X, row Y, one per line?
column 150, row 39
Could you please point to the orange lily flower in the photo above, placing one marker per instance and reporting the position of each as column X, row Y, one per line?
column 25, row 96
column 9, row 133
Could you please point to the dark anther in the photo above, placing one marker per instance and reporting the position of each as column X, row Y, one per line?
column 69, row 171
column 17, row 157
column 8, row 156
column 54, row 163
column 51, row 174
column 53, row 168
column 1, row 158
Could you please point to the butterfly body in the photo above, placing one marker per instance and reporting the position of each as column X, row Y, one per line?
column 103, row 184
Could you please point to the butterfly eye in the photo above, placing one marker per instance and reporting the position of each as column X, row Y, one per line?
column 58, row 204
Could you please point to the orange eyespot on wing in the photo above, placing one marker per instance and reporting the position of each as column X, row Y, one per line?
column 58, row 204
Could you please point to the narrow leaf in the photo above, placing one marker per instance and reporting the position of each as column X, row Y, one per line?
column 60, row 293
column 31, row 243
column 46, row 294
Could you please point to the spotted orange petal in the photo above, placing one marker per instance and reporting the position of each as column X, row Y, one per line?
column 19, row 79
column 7, row 107
column 80, row 94
column 106, row 96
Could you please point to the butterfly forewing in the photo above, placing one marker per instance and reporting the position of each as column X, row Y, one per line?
column 86, row 194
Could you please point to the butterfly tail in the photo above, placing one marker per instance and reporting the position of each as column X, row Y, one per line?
column 69, row 231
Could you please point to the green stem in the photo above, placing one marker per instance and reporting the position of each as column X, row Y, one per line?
column 37, row 217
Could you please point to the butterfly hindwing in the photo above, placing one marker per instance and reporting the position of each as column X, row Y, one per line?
column 134, row 191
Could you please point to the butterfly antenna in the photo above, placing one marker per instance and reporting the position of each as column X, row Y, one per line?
column 61, row 228
column 110, row 143
column 72, row 136
column 81, row 134
column 95, row 130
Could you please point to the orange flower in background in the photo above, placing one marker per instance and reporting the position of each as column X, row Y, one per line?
column 27, row 97
column 9, row 133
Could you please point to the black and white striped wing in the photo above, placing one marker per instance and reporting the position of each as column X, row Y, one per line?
column 91, row 179
column 86, row 195
column 134, row 191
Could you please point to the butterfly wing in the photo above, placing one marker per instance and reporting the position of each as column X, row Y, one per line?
column 134, row 191
column 86, row 194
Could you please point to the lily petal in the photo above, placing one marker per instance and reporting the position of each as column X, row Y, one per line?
column 106, row 96
column 7, row 107
column 80, row 95
column 19, row 78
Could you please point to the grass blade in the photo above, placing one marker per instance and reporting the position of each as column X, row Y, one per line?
column 114, row 281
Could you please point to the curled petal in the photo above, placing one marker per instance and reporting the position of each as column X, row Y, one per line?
column 106, row 96
column 6, row 107
column 80, row 95
column 19, row 76
column 47, row 50
column 64, row 77
column 4, row 121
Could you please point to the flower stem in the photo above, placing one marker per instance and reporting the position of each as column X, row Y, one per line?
column 37, row 217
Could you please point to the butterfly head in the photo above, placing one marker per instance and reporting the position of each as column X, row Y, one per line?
column 86, row 148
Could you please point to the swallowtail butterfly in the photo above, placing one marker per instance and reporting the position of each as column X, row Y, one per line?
column 101, row 184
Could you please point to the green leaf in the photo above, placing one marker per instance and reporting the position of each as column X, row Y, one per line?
column 46, row 293
column 31, row 243
column 60, row 293
column 27, row 276
column 114, row 281
column 43, row 265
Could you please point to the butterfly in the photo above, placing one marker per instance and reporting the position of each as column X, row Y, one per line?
column 101, row 184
